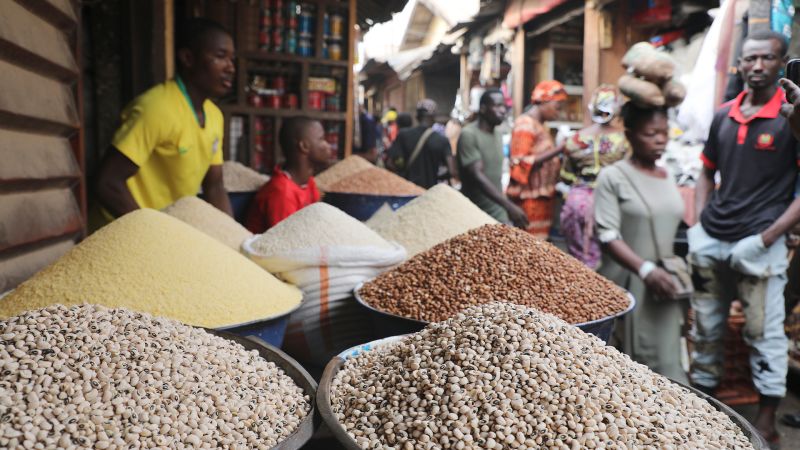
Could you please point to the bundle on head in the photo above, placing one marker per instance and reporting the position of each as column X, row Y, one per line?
column 649, row 80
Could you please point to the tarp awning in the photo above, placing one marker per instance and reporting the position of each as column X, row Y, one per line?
column 521, row 11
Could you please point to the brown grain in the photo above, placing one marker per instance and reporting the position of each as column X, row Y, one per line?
column 376, row 181
column 494, row 263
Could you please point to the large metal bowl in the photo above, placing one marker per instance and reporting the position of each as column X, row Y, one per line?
column 340, row 433
column 294, row 371
column 388, row 324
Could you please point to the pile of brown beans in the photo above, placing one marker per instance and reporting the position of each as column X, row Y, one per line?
column 376, row 181
column 494, row 263
column 502, row 376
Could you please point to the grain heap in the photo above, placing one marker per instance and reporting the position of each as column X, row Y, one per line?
column 341, row 170
column 503, row 376
column 150, row 262
column 439, row 214
column 95, row 378
column 239, row 178
column 317, row 225
column 494, row 263
column 376, row 181
column 208, row 219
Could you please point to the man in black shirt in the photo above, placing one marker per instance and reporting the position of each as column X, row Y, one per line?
column 420, row 154
column 738, row 249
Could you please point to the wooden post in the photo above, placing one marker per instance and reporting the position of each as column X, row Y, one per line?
column 591, row 52
column 518, row 66
column 351, row 83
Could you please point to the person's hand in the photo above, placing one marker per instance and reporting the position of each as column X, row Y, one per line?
column 517, row 216
column 747, row 256
column 660, row 283
column 791, row 110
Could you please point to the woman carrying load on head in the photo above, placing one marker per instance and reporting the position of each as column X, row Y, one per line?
column 586, row 153
column 534, row 168
column 637, row 209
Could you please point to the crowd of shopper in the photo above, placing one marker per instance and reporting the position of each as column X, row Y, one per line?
column 622, row 210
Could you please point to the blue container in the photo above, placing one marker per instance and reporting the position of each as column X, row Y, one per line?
column 270, row 330
column 362, row 206
column 387, row 324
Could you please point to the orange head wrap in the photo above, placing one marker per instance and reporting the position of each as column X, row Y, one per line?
column 548, row 91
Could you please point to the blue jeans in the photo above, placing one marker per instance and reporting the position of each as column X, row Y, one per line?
column 717, row 283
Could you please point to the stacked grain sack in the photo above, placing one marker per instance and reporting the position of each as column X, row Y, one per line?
column 436, row 216
column 325, row 253
column 208, row 219
column 150, row 262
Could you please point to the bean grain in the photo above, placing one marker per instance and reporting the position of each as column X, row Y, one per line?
column 494, row 263
column 503, row 376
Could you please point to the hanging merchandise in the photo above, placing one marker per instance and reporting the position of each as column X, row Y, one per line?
column 781, row 17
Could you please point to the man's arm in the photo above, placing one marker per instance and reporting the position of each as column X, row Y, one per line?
column 214, row 190
column 785, row 222
column 703, row 189
column 515, row 213
column 111, row 188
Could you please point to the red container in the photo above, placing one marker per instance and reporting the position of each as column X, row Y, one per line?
column 290, row 101
column 316, row 100
column 274, row 101
column 253, row 99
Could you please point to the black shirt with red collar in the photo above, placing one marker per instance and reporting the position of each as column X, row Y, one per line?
column 757, row 158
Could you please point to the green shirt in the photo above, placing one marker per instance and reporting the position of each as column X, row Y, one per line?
column 474, row 145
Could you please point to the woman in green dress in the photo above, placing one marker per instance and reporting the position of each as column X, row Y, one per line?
column 637, row 212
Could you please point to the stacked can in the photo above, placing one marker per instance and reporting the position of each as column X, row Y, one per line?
column 305, row 30
column 291, row 27
column 264, row 25
column 277, row 26
column 333, row 29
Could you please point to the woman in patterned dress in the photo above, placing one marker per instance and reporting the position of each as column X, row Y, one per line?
column 534, row 170
column 589, row 150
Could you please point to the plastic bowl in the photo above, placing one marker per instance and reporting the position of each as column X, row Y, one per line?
column 388, row 324
column 296, row 372
column 340, row 433
column 270, row 330
column 363, row 206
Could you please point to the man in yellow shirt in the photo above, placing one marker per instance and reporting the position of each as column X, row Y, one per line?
column 170, row 140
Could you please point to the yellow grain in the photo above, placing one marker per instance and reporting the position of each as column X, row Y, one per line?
column 151, row 262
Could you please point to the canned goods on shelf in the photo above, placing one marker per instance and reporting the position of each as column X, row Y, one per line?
column 316, row 100
column 274, row 101
column 264, row 40
column 335, row 51
column 291, row 42
column 337, row 26
column 277, row 40
column 290, row 101
column 305, row 24
column 326, row 25
column 253, row 99
column 304, row 47
column 332, row 103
